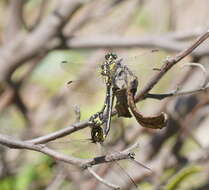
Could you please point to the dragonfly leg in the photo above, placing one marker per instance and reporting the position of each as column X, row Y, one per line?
column 97, row 119
column 100, row 117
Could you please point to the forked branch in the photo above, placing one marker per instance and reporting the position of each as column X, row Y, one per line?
column 168, row 64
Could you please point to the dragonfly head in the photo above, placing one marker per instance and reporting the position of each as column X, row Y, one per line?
column 110, row 56
column 109, row 64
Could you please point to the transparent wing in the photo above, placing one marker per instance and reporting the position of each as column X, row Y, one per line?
column 142, row 64
column 125, row 174
column 76, row 147
column 145, row 63
column 117, row 173
column 121, row 168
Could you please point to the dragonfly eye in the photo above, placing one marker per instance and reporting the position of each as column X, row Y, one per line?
column 111, row 55
column 107, row 56
column 114, row 56
column 132, row 155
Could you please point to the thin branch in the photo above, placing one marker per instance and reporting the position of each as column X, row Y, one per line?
column 17, row 144
column 108, row 158
column 108, row 184
column 169, row 63
column 175, row 94
column 60, row 133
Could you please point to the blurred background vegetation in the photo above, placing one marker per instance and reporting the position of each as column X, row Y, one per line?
column 40, row 100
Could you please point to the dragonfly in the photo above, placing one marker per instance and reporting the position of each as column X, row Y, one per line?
column 122, row 84
column 115, row 75
column 108, row 68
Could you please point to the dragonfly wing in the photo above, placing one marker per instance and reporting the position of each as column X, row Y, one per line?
column 78, row 148
column 123, row 78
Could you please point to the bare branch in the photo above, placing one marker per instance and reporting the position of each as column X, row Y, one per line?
column 169, row 63
column 175, row 94
column 60, row 133
column 17, row 144
column 108, row 158
column 83, row 163
column 108, row 184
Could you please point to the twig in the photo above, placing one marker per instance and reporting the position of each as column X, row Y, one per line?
column 175, row 94
column 169, row 63
column 102, row 180
column 60, row 133
column 108, row 158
